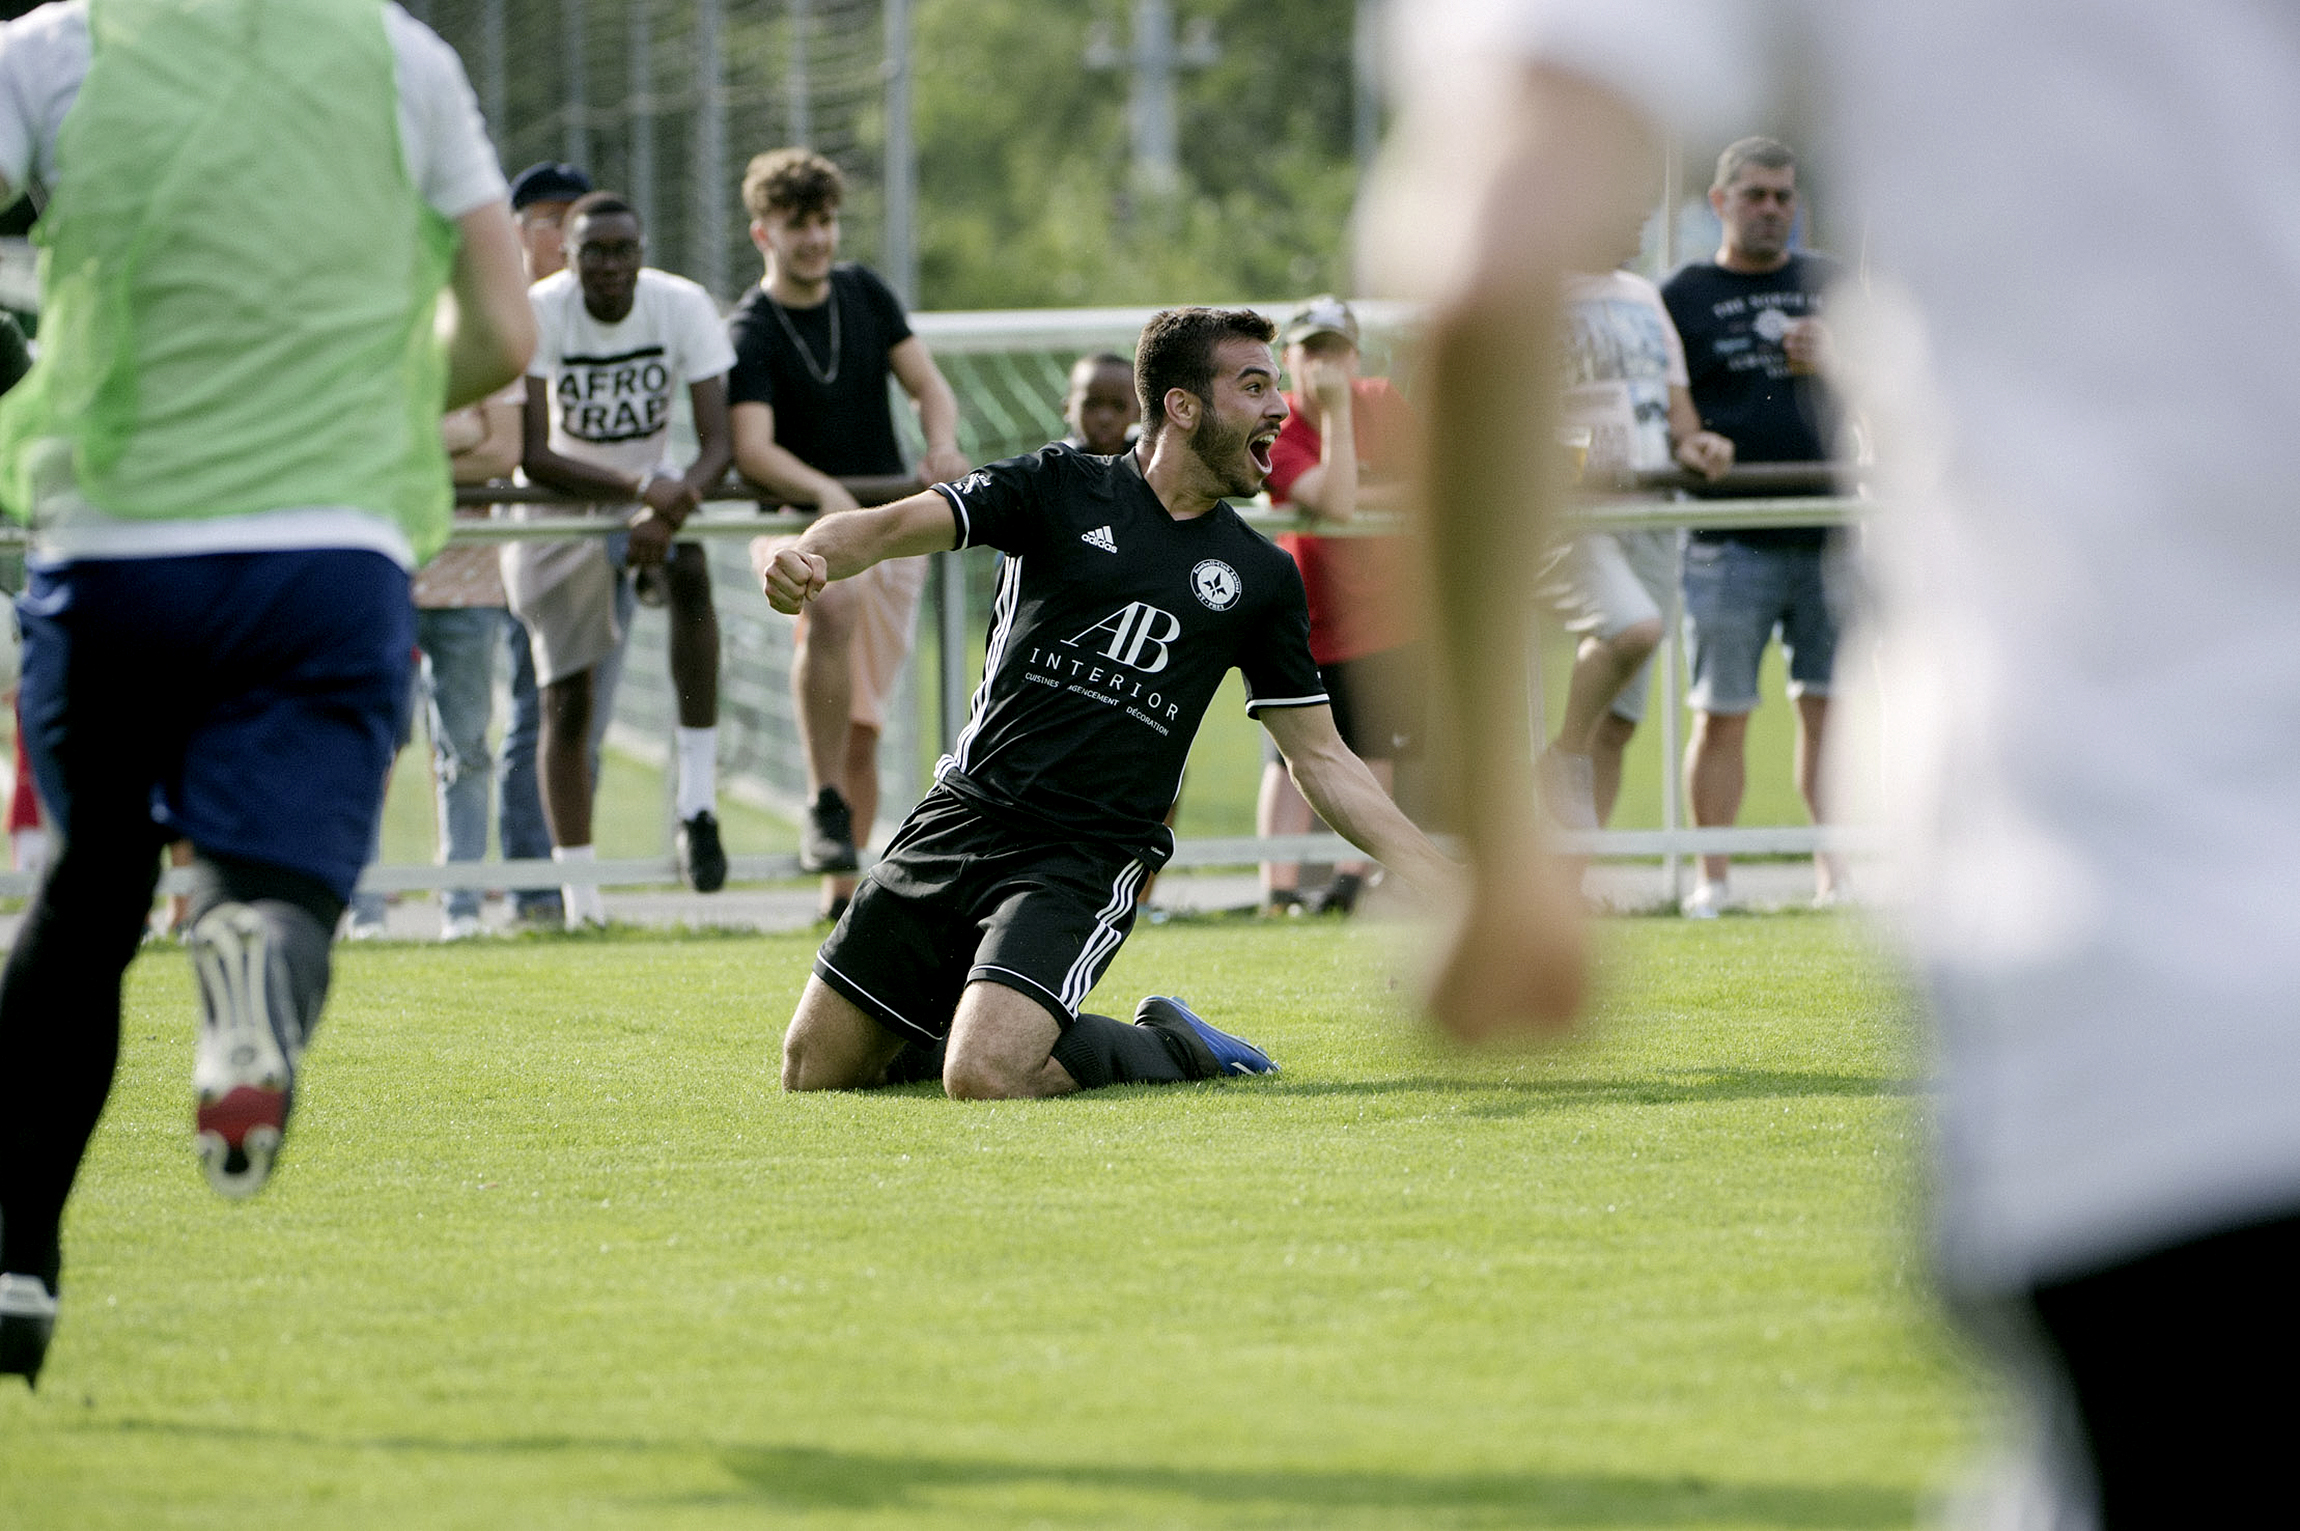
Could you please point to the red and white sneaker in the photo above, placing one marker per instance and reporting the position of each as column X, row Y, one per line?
column 243, row 1071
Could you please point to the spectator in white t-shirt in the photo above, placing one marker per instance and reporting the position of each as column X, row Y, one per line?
column 614, row 338
column 1626, row 385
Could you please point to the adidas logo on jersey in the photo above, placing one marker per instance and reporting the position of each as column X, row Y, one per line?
column 1100, row 537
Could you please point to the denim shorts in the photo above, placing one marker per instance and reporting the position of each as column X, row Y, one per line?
column 1736, row 597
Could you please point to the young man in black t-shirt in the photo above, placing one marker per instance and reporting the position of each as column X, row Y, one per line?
column 1755, row 349
column 1129, row 590
column 814, row 343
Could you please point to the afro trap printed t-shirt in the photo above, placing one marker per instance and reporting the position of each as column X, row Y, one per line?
column 1113, row 626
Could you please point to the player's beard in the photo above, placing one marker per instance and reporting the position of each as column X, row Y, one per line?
column 1223, row 450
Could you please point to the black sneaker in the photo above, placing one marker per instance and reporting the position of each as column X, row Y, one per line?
column 702, row 859
column 1213, row 1053
column 1340, row 895
column 827, row 841
column 27, row 1324
column 1279, row 903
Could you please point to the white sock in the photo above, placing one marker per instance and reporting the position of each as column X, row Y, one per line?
column 582, row 901
column 698, row 771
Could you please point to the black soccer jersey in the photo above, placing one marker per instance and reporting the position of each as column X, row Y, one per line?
column 1113, row 627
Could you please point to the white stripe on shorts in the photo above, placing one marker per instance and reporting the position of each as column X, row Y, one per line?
column 1106, row 936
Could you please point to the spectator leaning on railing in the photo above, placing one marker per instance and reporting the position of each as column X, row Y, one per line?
column 1756, row 352
column 1347, row 445
column 615, row 336
column 1625, row 384
column 815, row 342
column 461, row 622
column 540, row 197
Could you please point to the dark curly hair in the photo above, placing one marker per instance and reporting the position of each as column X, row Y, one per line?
column 1177, row 351
column 792, row 181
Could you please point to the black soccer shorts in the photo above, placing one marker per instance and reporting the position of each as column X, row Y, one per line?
column 961, row 896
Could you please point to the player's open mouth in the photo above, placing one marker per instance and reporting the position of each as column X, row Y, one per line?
column 1258, row 448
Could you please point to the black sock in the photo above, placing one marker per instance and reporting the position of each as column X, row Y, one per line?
column 60, row 1029
column 221, row 879
column 918, row 1062
column 1099, row 1051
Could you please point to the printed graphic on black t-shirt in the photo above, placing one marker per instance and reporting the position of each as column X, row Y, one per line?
column 614, row 398
column 842, row 425
column 1732, row 325
column 1113, row 627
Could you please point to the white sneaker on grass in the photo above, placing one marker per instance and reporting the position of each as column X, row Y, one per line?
column 462, row 927
column 1707, row 900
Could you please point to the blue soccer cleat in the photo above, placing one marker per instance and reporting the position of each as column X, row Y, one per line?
column 1214, row 1051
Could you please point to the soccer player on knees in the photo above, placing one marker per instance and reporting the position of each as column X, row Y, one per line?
column 1129, row 590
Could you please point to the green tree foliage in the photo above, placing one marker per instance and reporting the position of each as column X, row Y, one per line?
column 1025, row 187
column 1025, row 194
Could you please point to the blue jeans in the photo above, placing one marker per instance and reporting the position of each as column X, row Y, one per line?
column 519, row 813
column 607, row 675
column 459, row 646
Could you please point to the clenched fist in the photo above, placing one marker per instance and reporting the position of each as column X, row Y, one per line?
column 789, row 577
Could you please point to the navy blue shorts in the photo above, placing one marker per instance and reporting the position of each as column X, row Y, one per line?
column 246, row 702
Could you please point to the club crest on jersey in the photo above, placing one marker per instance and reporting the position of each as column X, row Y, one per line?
column 1215, row 584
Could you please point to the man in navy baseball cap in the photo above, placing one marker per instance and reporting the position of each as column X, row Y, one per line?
column 540, row 197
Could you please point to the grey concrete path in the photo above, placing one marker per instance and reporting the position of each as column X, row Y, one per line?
column 1632, row 888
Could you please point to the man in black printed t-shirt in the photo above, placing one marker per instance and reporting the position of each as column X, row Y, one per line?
column 1129, row 590
column 1755, row 355
column 815, row 341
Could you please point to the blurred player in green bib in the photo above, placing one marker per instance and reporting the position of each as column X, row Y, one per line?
column 229, row 454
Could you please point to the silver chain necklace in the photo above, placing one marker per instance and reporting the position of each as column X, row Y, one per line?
column 824, row 376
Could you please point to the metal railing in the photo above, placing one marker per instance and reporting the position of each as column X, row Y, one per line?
column 1765, row 495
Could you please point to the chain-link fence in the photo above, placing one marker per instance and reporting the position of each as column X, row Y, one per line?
column 667, row 100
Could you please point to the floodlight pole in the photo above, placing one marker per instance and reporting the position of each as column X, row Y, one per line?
column 493, row 94
column 797, row 86
column 1672, row 720
column 1366, row 82
column 578, row 91
column 901, row 257
column 640, row 59
column 707, row 207
column 900, row 262
column 1155, row 58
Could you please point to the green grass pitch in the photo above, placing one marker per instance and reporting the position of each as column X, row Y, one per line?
column 550, row 1250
